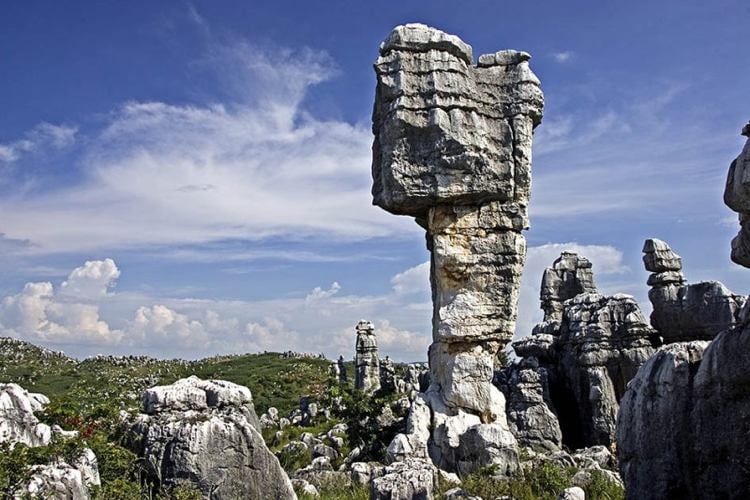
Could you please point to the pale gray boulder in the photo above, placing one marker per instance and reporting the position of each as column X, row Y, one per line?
column 62, row 481
column 20, row 426
column 452, row 148
column 683, row 312
column 206, row 433
column 572, row 493
column 411, row 479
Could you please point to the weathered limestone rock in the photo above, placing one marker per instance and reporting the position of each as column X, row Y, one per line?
column 684, row 425
column 19, row 425
column 603, row 342
column 367, row 363
column 653, row 428
column 407, row 480
column 453, row 149
column 572, row 493
column 61, row 481
column 529, row 406
column 589, row 347
column 737, row 197
column 206, row 432
column 569, row 275
column 387, row 375
column 686, row 312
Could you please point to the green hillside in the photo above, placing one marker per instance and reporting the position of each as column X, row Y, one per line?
column 275, row 380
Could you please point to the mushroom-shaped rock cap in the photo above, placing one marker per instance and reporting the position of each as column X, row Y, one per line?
column 365, row 326
column 416, row 37
column 193, row 393
column 659, row 258
column 447, row 131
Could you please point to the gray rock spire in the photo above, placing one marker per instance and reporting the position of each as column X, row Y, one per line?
column 367, row 363
column 452, row 148
column 682, row 312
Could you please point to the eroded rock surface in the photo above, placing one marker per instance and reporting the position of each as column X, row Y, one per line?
column 366, row 361
column 453, row 149
column 684, row 312
column 206, row 433
column 529, row 406
column 684, row 425
column 587, row 349
column 19, row 425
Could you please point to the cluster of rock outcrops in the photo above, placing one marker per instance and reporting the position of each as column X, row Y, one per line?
column 575, row 366
column 452, row 149
column 19, row 426
column 686, row 312
column 684, row 426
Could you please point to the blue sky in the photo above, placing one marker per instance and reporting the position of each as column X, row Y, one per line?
column 217, row 153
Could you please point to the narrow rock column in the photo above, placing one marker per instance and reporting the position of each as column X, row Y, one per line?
column 367, row 363
column 343, row 378
column 452, row 148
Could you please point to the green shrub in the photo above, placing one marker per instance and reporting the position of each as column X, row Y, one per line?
column 601, row 489
column 339, row 491
column 117, row 489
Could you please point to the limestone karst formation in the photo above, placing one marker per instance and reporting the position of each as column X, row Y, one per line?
column 684, row 424
column 696, row 311
column 575, row 366
column 206, row 432
column 19, row 426
column 452, row 149
column 366, row 361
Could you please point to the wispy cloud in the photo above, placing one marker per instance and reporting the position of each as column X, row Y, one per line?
column 562, row 57
column 43, row 136
column 254, row 167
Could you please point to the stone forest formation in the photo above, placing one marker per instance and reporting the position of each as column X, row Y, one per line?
column 618, row 404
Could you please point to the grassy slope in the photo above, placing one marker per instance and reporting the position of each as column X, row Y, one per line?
column 273, row 380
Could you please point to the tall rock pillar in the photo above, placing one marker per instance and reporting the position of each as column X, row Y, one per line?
column 367, row 362
column 452, row 148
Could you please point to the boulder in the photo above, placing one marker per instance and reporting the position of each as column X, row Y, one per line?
column 408, row 480
column 58, row 479
column 18, row 424
column 206, row 432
